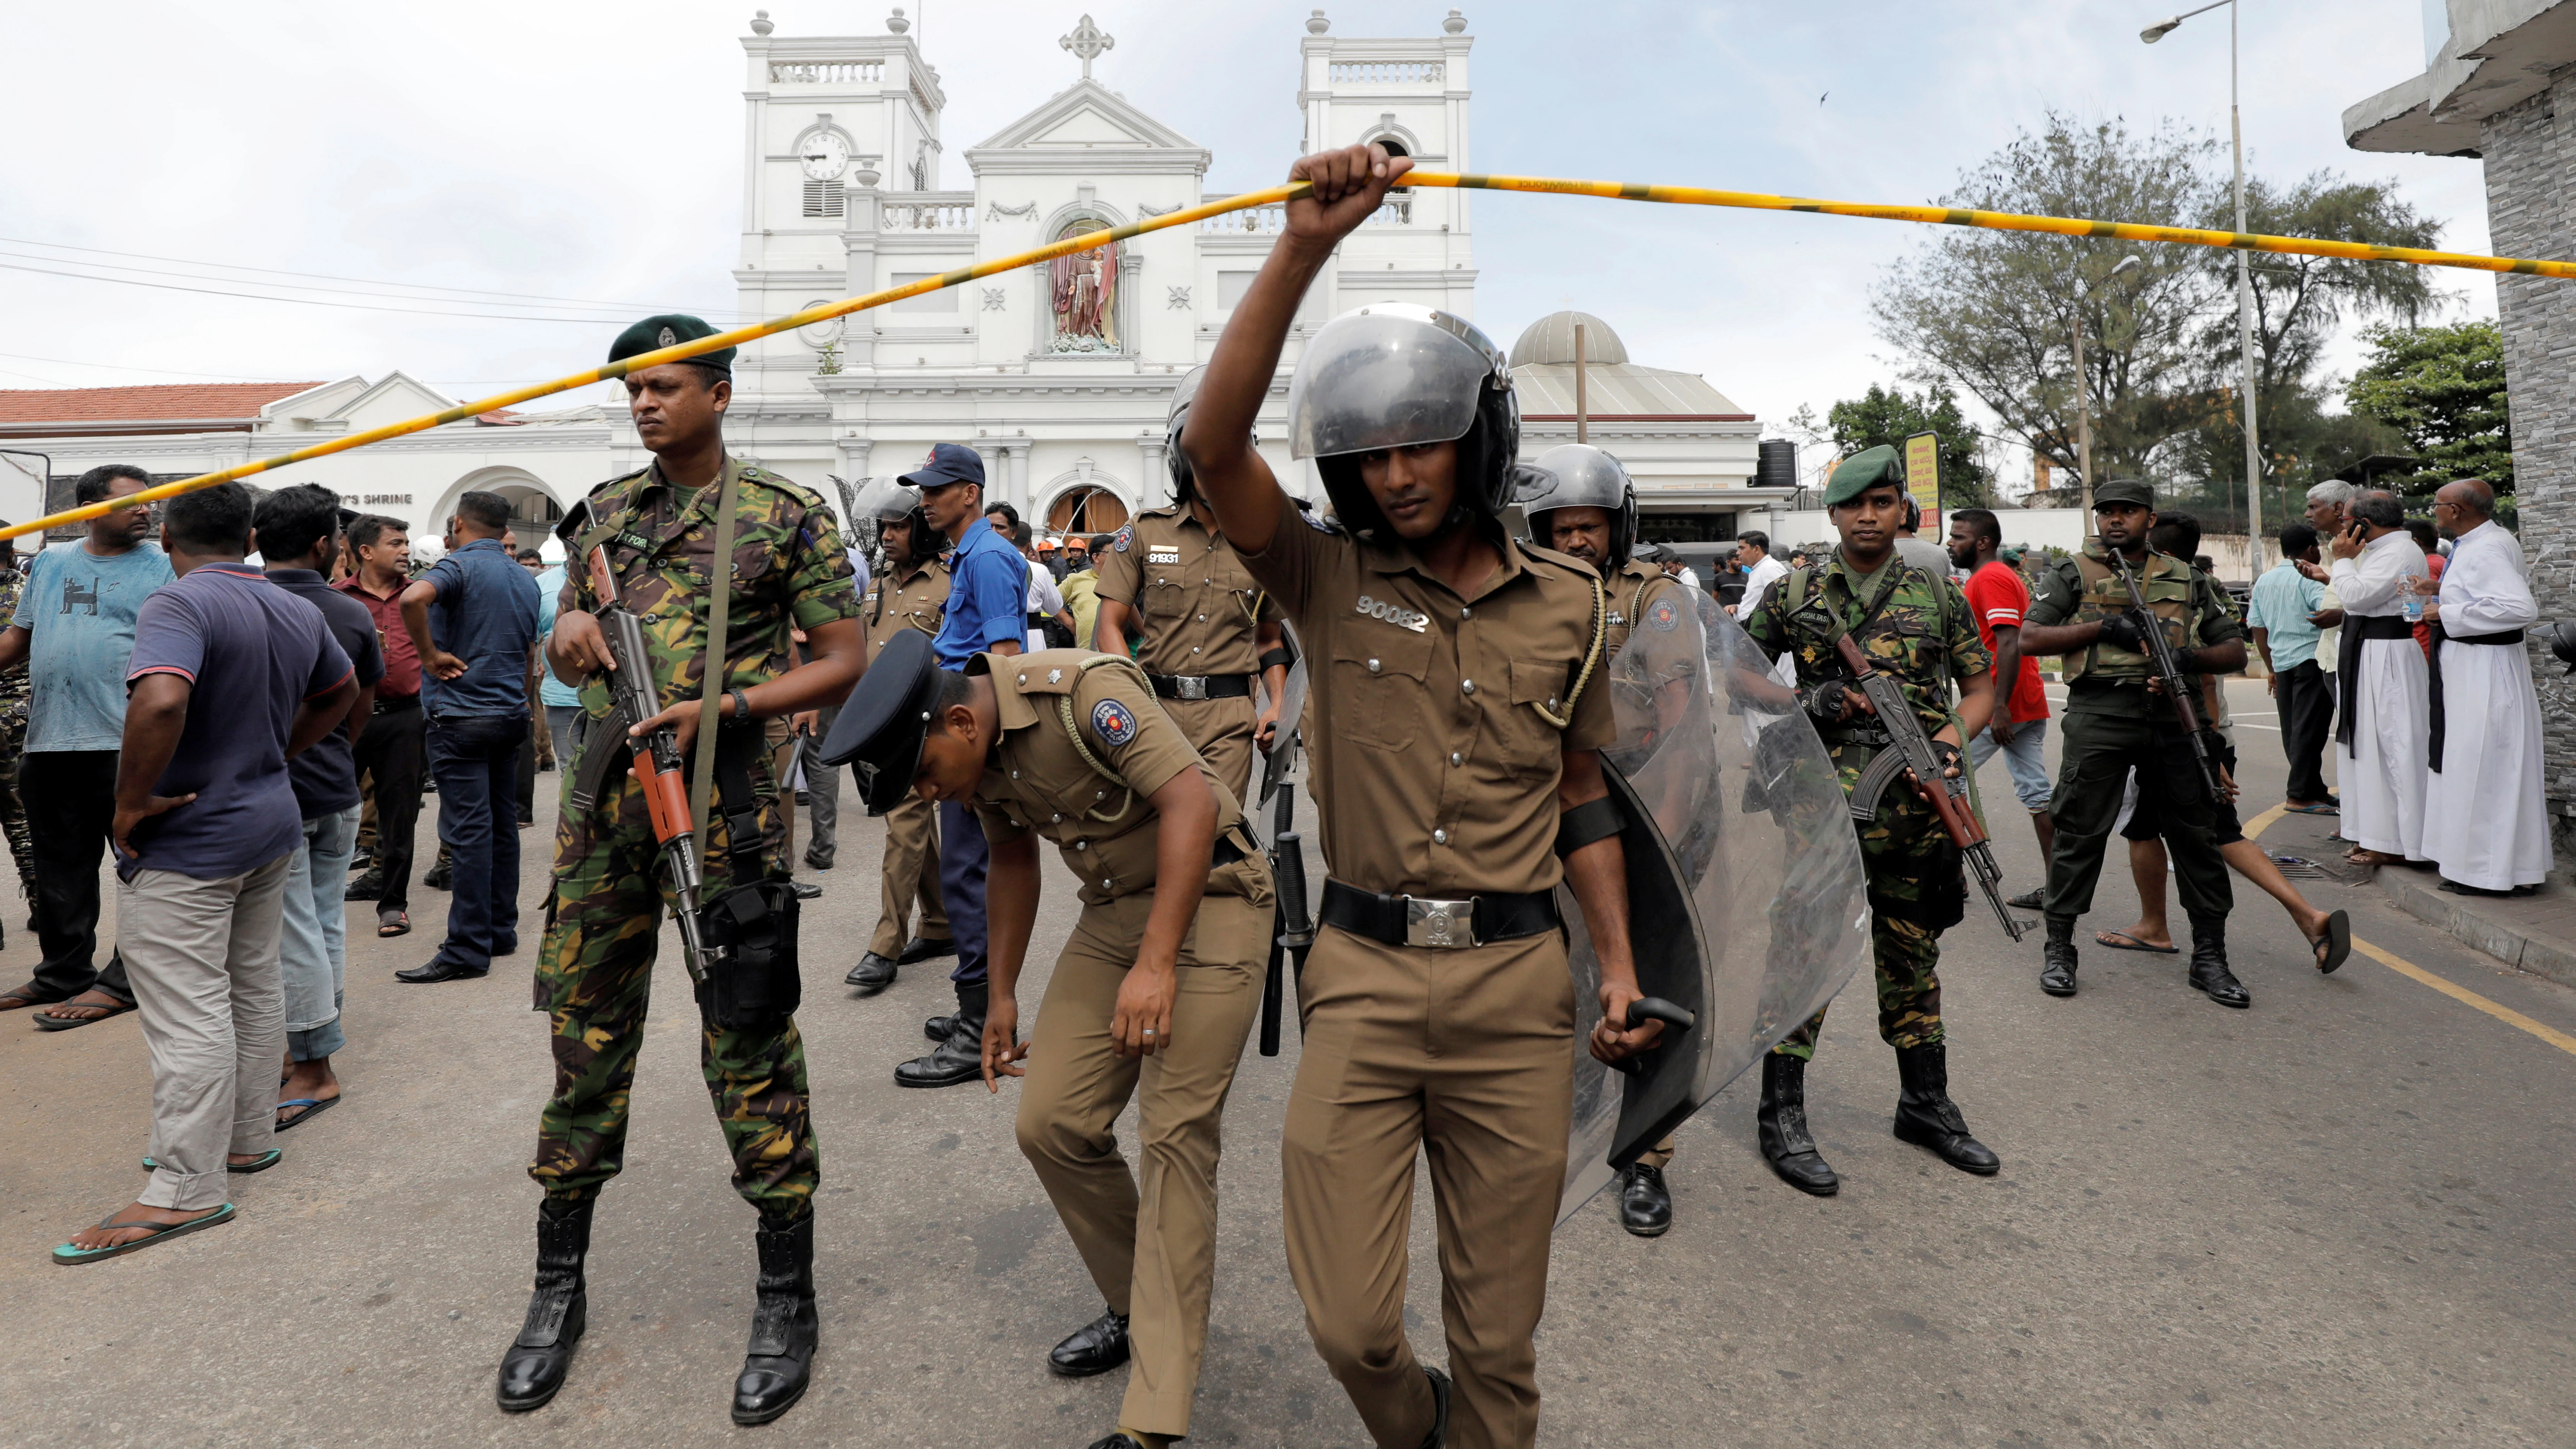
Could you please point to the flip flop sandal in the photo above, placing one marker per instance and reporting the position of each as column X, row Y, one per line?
column 2314, row 810
column 106, row 1009
column 313, row 1107
column 397, row 923
column 2334, row 947
column 2123, row 941
column 67, row 1256
column 261, row 1163
column 26, row 998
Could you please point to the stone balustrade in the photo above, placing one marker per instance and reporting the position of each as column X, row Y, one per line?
column 826, row 72
column 1389, row 72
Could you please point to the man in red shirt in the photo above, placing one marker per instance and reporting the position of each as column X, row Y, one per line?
column 394, row 746
column 1999, row 598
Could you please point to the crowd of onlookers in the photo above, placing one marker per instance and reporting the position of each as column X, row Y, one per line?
column 234, row 737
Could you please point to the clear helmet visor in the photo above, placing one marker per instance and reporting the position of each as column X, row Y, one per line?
column 1573, row 475
column 1389, row 375
column 886, row 500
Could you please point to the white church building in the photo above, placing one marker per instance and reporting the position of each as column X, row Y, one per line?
column 1060, row 375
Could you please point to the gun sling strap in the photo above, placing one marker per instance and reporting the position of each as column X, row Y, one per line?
column 711, row 678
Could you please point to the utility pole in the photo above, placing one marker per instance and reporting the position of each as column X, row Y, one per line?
column 2245, row 323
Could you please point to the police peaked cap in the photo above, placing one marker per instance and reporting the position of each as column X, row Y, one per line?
column 882, row 724
column 1862, row 471
column 670, row 330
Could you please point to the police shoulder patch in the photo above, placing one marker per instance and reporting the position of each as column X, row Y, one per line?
column 1114, row 722
column 1126, row 536
column 1664, row 616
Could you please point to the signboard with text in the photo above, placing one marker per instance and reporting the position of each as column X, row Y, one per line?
column 1923, row 479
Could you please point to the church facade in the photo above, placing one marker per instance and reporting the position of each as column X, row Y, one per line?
column 1060, row 375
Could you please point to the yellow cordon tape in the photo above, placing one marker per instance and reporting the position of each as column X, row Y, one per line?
column 1999, row 221
column 1616, row 190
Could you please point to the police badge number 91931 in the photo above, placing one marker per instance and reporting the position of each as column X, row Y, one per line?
column 1752, row 920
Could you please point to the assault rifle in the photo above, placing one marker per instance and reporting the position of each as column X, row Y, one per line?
column 656, row 763
column 2160, row 657
column 1910, row 750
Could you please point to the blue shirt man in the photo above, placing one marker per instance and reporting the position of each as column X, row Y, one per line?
column 988, row 580
column 483, row 610
column 79, row 608
column 2283, row 600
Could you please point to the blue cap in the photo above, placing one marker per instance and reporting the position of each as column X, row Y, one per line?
column 948, row 463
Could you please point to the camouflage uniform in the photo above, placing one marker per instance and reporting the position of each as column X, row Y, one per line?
column 595, row 970
column 1915, row 887
column 13, row 747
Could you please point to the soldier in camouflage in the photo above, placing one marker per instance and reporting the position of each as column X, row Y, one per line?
column 594, row 972
column 13, row 734
column 1914, row 626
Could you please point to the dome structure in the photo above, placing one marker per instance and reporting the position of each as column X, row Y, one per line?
column 1551, row 339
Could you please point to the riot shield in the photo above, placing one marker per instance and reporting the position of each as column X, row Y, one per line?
column 1747, row 905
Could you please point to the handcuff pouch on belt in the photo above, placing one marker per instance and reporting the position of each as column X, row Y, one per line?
column 756, row 983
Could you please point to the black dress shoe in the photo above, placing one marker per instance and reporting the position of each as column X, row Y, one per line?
column 959, row 1057
column 1926, row 1117
column 1094, row 1348
column 1780, row 1122
column 873, row 974
column 779, row 1361
column 805, row 890
column 2209, row 964
column 367, row 887
column 1645, row 1204
column 1438, row 1438
column 438, row 970
column 2057, row 958
column 2027, row 901
column 920, row 949
column 441, row 877
column 533, row 1366
column 1117, row 1441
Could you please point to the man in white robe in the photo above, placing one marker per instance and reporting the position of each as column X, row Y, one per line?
column 2383, row 712
column 2486, row 824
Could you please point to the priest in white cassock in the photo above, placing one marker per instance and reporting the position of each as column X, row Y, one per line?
column 2381, row 719
column 2486, row 824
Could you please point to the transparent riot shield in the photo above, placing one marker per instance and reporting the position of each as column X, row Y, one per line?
column 1747, row 906
column 1271, row 814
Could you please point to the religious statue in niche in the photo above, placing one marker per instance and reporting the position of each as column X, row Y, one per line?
column 1084, row 293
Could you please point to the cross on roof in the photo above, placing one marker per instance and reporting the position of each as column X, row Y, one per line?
column 1088, row 41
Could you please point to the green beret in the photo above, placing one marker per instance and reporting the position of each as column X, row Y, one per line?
column 670, row 330
column 2125, row 490
column 1862, row 471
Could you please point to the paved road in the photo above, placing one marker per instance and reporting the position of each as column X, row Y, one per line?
column 2340, row 1218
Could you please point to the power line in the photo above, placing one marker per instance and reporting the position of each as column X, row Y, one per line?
column 284, row 286
column 322, row 276
column 314, row 301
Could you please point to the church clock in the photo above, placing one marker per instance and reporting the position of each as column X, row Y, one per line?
column 825, row 156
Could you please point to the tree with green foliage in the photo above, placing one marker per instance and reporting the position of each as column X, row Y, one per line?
column 2442, row 389
column 1891, row 415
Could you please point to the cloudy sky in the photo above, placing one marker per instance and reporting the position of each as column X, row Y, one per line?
column 589, row 154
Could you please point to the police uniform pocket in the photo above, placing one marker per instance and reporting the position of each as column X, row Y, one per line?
column 1164, row 598
column 1527, row 743
column 1377, row 684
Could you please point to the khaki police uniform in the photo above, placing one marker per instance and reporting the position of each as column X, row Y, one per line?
column 1437, row 756
column 1198, row 612
column 910, row 598
column 1082, row 745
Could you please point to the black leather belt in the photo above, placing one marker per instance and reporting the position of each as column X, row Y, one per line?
column 1458, row 921
column 388, row 706
column 1226, row 853
column 2507, row 637
column 1201, row 686
column 2378, row 626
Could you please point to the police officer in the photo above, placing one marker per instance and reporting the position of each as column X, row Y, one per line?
column 1199, row 624
column 1581, row 503
column 594, row 972
column 909, row 594
column 2118, row 720
column 1455, row 757
column 1155, row 990
column 1913, row 624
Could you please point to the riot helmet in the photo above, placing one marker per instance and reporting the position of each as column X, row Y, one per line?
column 1393, row 375
column 891, row 500
column 1185, row 488
column 1579, row 475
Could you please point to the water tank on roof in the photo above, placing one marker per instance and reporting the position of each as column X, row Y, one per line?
column 1777, row 465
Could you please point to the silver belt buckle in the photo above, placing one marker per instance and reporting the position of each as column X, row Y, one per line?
column 1442, row 924
column 1189, row 686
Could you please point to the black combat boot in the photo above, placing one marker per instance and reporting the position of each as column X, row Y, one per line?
column 959, row 1057
column 784, row 1326
column 2057, row 958
column 533, row 1367
column 1094, row 1348
column 873, row 974
column 1781, row 1123
column 1926, row 1117
column 1438, row 1438
column 2209, row 964
column 1645, row 1204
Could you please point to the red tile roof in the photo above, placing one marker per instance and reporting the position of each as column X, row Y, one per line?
column 93, row 405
